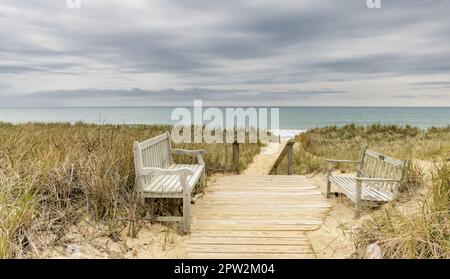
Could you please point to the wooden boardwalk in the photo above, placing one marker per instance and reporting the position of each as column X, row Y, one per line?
column 262, row 216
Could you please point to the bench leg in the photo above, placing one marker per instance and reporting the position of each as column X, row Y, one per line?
column 358, row 199
column 186, row 212
column 328, row 188
column 328, row 180
column 203, row 181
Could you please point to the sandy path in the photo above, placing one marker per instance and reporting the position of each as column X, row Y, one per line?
column 333, row 239
column 263, row 162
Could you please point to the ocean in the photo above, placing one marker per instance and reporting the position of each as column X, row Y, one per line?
column 295, row 118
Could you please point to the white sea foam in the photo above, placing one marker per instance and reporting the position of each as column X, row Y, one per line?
column 287, row 134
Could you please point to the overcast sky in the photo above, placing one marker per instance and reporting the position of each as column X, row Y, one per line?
column 145, row 52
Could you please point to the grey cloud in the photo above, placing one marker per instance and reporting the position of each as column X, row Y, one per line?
column 431, row 83
column 393, row 63
column 139, row 97
column 415, row 96
column 233, row 44
column 433, row 86
column 13, row 69
column 52, row 67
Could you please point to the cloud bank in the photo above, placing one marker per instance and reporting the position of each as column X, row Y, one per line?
column 137, row 52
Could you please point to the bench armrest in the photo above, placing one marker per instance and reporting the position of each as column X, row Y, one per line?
column 159, row 171
column 199, row 154
column 343, row 161
column 189, row 152
column 375, row 179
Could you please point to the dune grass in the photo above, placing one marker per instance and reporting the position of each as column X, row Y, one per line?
column 51, row 175
column 413, row 226
column 347, row 142
column 419, row 230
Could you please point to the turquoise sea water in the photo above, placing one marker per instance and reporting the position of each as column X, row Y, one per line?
column 301, row 118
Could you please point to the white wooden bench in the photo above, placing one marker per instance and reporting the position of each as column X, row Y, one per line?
column 157, row 176
column 376, row 182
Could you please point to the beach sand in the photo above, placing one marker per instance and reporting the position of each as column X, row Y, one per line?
column 263, row 162
column 333, row 239
column 153, row 241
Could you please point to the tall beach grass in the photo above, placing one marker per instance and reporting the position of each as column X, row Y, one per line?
column 52, row 175
column 416, row 225
column 347, row 142
column 419, row 229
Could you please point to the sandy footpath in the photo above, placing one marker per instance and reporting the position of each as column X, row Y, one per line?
column 263, row 162
column 333, row 239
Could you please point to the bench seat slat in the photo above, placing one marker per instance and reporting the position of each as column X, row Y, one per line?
column 370, row 193
column 161, row 184
column 196, row 169
column 170, row 184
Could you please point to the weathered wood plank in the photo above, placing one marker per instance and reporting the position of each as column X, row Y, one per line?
column 264, row 177
column 306, row 205
column 256, row 201
column 257, row 227
column 279, row 249
column 273, row 194
column 245, row 255
column 253, row 215
column 250, row 234
column 250, row 241
column 257, row 217
column 259, row 189
column 236, row 157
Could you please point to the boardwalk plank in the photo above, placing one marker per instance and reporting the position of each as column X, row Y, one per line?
column 246, row 255
column 250, row 241
column 279, row 249
column 250, row 234
column 256, row 217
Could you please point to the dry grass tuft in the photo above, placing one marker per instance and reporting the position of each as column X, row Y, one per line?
column 347, row 142
column 420, row 230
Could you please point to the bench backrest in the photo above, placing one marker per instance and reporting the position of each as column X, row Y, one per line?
column 377, row 165
column 155, row 152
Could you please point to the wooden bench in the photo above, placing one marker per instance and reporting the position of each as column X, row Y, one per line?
column 157, row 176
column 376, row 182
